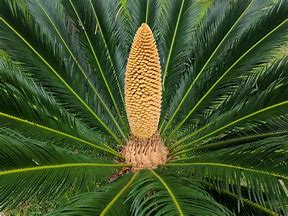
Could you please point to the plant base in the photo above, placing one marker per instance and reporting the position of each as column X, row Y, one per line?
column 145, row 153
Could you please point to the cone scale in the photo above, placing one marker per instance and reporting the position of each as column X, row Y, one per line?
column 143, row 95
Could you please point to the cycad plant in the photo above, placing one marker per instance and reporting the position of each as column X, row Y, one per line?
column 144, row 107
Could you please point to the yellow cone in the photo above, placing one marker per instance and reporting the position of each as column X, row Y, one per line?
column 143, row 89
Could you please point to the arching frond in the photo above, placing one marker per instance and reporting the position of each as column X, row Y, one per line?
column 35, row 170
column 220, row 19
column 222, row 78
column 263, row 96
column 92, row 35
column 230, row 142
column 261, row 167
column 238, row 206
column 26, row 107
column 176, row 35
column 51, row 66
column 109, row 200
column 155, row 193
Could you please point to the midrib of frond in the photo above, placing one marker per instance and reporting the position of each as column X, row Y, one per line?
column 224, row 74
column 58, row 166
column 147, row 11
column 202, row 70
column 62, row 80
column 172, row 44
column 119, row 194
column 85, row 75
column 222, row 144
column 173, row 197
column 223, row 165
column 106, row 149
column 223, row 127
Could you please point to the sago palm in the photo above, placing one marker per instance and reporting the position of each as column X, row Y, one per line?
column 144, row 107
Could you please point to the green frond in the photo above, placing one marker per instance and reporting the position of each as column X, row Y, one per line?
column 220, row 19
column 241, row 207
column 230, row 142
column 259, row 166
column 107, row 200
column 155, row 193
column 177, row 31
column 51, row 66
column 36, row 170
column 92, row 35
column 26, row 107
column 222, row 78
column 57, row 26
column 261, row 107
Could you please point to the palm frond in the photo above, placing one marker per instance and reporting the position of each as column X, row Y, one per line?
column 58, row 138
column 243, row 207
column 26, row 107
column 176, row 35
column 230, row 142
column 155, row 193
column 84, row 18
column 219, row 21
column 44, row 171
column 259, row 166
column 261, row 97
column 238, row 64
column 108, row 200
column 47, row 62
